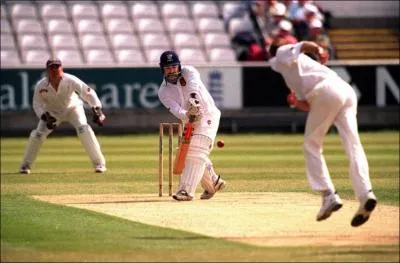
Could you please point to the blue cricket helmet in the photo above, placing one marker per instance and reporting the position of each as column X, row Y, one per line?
column 170, row 58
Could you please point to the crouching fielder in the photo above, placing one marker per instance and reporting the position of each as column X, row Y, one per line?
column 58, row 98
column 183, row 93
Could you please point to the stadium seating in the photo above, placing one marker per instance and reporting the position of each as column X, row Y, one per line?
column 95, row 32
column 7, row 41
column 62, row 26
column 130, row 56
column 9, row 57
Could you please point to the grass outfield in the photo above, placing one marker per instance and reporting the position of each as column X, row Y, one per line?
column 33, row 230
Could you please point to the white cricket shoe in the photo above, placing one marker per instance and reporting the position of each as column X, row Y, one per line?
column 182, row 195
column 219, row 185
column 100, row 169
column 25, row 169
column 330, row 203
column 367, row 205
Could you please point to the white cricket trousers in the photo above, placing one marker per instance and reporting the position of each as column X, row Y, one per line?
column 334, row 102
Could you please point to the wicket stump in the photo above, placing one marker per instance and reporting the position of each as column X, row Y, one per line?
column 170, row 126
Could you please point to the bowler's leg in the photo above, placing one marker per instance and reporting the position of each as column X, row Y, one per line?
column 346, row 124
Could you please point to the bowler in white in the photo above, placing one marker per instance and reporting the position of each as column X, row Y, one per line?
column 329, row 101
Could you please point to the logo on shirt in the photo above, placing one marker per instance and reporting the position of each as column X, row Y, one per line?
column 182, row 81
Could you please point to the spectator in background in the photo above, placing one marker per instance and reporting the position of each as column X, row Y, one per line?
column 301, row 13
column 276, row 13
column 284, row 34
column 317, row 34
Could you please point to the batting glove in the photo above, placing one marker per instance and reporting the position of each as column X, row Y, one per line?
column 50, row 120
column 98, row 116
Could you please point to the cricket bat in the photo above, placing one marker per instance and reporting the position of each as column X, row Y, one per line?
column 180, row 158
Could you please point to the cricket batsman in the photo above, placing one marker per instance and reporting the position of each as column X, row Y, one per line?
column 183, row 93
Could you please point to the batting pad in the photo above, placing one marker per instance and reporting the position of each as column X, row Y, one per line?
column 206, row 181
column 91, row 145
column 195, row 164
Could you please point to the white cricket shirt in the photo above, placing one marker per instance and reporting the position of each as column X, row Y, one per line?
column 300, row 72
column 70, row 93
column 175, row 97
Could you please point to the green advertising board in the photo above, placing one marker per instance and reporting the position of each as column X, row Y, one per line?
column 118, row 88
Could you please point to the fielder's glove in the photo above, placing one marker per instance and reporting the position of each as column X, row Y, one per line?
column 98, row 116
column 194, row 112
column 50, row 120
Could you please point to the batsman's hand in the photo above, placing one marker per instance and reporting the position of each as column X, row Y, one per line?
column 98, row 116
column 50, row 120
column 194, row 112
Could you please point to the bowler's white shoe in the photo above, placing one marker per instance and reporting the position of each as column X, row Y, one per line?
column 367, row 205
column 25, row 169
column 100, row 169
column 219, row 185
column 330, row 203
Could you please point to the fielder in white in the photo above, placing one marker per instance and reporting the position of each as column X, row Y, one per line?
column 58, row 98
column 183, row 93
column 329, row 100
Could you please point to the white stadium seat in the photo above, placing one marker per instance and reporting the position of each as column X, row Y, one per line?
column 7, row 41
column 155, row 40
column 149, row 25
column 204, row 9
column 28, row 26
column 212, row 40
column 63, row 41
column 144, row 10
column 89, row 26
column 99, row 57
column 119, row 25
column 153, row 55
column 130, row 56
column 3, row 12
column 237, row 25
column 93, row 41
column 192, row 56
column 84, row 10
column 229, row 7
column 49, row 11
column 207, row 25
column 9, row 57
column 222, row 55
column 177, row 25
column 32, row 41
column 5, row 26
column 182, row 40
column 35, row 57
column 114, row 10
column 124, row 41
column 69, row 57
column 23, row 10
column 171, row 9
column 63, row 26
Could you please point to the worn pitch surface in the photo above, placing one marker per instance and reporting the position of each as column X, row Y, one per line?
column 265, row 219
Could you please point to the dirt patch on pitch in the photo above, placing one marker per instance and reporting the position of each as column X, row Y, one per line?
column 266, row 219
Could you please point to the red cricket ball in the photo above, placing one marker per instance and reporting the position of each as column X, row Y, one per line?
column 220, row 143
